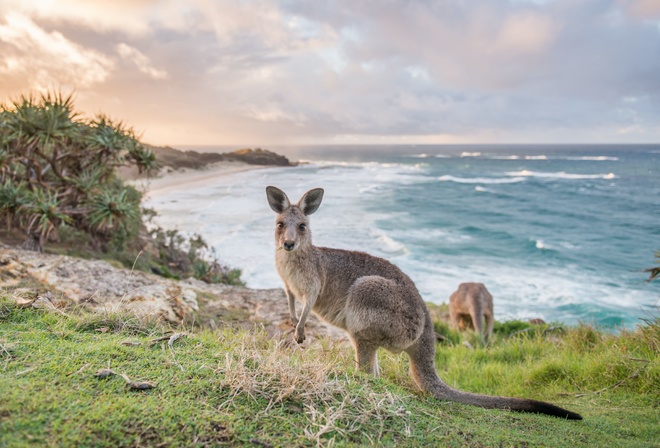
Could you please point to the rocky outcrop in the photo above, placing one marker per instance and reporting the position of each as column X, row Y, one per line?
column 258, row 157
column 98, row 286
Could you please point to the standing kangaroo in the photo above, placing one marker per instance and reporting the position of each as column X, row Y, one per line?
column 472, row 301
column 369, row 298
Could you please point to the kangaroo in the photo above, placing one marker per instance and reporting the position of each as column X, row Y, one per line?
column 472, row 301
column 371, row 299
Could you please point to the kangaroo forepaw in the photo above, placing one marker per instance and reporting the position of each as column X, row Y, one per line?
column 300, row 336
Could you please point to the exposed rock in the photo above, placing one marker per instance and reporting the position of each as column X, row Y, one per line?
column 61, row 281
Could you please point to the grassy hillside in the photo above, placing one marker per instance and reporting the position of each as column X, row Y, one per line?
column 235, row 387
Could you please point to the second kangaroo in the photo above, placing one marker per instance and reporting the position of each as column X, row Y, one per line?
column 472, row 302
column 371, row 299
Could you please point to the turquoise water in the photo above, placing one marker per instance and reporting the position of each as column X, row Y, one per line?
column 560, row 233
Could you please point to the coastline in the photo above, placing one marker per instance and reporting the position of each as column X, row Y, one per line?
column 185, row 169
column 170, row 179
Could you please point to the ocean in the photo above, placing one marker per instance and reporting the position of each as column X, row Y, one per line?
column 560, row 233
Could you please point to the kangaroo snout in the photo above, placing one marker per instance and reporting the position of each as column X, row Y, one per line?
column 289, row 245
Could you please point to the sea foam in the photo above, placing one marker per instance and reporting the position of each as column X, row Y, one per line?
column 591, row 158
column 560, row 175
column 480, row 180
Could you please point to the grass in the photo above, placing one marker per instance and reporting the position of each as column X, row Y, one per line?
column 237, row 387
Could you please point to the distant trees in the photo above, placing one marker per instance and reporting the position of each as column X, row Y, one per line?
column 58, row 169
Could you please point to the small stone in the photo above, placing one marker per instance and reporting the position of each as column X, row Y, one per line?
column 104, row 373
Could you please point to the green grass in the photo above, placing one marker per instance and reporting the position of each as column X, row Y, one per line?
column 237, row 387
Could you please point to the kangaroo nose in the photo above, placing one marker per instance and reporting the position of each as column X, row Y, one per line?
column 288, row 245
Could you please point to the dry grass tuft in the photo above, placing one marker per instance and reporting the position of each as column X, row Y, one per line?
column 336, row 400
column 120, row 321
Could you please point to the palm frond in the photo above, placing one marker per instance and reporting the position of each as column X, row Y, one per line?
column 109, row 210
column 43, row 212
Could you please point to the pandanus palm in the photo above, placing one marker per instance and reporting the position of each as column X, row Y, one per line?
column 111, row 210
column 44, row 217
column 13, row 195
column 69, row 164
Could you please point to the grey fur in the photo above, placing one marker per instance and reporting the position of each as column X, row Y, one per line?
column 472, row 301
column 371, row 299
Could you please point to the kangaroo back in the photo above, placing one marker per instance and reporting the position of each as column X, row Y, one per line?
column 370, row 298
column 472, row 302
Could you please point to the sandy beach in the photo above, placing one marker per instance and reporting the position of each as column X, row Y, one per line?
column 175, row 179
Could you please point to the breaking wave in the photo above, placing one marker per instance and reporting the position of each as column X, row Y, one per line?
column 559, row 175
column 481, row 180
column 592, row 158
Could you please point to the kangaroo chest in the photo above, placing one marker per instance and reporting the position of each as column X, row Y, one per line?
column 300, row 275
column 307, row 281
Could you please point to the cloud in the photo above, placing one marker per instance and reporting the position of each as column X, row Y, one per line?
column 128, row 16
column 46, row 59
column 141, row 61
column 278, row 71
column 524, row 33
column 642, row 9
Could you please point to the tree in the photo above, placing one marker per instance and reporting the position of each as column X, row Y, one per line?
column 57, row 169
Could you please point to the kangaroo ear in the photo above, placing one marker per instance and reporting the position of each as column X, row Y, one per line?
column 311, row 201
column 277, row 199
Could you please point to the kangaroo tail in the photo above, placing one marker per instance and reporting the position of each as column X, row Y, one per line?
column 422, row 368
column 443, row 392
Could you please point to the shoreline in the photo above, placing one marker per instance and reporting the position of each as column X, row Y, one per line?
column 170, row 179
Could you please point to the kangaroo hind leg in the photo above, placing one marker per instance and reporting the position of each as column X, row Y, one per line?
column 366, row 357
column 489, row 326
column 477, row 315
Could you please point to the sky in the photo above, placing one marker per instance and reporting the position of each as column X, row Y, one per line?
column 289, row 72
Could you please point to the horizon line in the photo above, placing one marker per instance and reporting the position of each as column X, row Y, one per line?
column 266, row 146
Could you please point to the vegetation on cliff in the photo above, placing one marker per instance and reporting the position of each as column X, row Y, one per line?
column 59, row 187
column 175, row 158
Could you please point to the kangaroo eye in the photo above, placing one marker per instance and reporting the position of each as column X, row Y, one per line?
column 302, row 227
column 280, row 225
